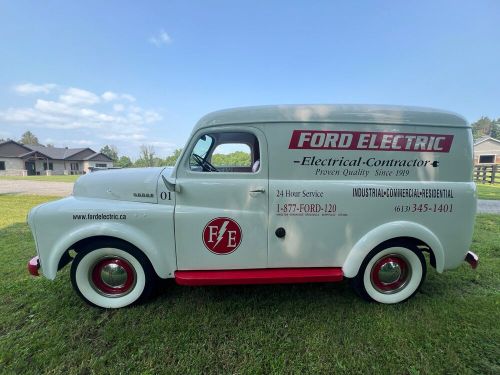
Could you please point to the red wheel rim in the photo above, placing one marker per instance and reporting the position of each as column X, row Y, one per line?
column 390, row 273
column 113, row 277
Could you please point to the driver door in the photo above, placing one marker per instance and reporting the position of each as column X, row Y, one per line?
column 221, row 212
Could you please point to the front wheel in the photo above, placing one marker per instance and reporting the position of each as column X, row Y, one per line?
column 391, row 274
column 112, row 274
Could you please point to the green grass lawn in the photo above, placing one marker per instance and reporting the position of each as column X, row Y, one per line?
column 488, row 191
column 450, row 327
column 68, row 178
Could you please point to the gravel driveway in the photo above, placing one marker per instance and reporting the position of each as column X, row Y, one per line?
column 488, row 207
column 61, row 189
column 66, row 188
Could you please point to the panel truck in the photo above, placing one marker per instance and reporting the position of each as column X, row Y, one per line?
column 274, row 194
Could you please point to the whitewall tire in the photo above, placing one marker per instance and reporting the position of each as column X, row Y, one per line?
column 391, row 274
column 111, row 274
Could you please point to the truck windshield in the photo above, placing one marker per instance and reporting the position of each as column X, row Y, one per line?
column 200, row 151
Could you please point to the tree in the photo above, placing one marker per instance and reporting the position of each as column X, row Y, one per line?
column 50, row 145
column 111, row 152
column 28, row 138
column 237, row 158
column 495, row 129
column 147, row 157
column 486, row 127
column 481, row 127
column 123, row 162
column 172, row 159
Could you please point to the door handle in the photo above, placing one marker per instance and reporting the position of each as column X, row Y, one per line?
column 258, row 191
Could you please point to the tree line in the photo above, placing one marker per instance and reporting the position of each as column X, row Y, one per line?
column 149, row 158
column 486, row 127
column 147, row 155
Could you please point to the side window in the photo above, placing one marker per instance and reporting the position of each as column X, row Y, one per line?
column 235, row 152
column 232, row 155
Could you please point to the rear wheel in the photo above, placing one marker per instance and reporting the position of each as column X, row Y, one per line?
column 391, row 274
column 112, row 274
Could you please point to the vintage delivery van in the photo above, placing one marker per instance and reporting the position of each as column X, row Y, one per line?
column 320, row 193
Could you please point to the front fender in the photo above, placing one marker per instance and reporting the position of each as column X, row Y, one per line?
column 117, row 230
column 60, row 224
column 386, row 232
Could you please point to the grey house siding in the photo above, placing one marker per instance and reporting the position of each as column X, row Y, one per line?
column 13, row 166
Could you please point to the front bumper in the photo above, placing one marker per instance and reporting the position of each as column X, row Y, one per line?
column 34, row 266
column 472, row 259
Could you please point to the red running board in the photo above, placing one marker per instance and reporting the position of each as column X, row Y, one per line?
column 259, row 276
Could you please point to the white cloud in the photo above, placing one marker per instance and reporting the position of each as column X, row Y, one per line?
column 128, row 97
column 160, row 39
column 31, row 88
column 68, row 142
column 74, row 116
column 110, row 96
column 69, row 112
column 80, row 142
column 124, row 137
column 79, row 96
column 64, row 109
column 151, row 116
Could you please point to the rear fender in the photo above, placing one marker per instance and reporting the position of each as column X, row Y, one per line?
column 389, row 231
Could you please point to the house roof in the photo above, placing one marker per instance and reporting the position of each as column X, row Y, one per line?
column 95, row 155
column 60, row 153
column 55, row 153
column 327, row 113
column 32, row 153
column 484, row 139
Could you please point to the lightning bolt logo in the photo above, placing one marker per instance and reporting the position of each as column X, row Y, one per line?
column 222, row 235
column 222, row 230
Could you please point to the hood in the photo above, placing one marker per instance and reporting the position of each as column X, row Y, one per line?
column 130, row 184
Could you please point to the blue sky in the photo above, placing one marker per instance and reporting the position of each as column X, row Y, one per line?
column 91, row 73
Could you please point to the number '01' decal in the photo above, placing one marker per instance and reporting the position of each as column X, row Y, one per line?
column 166, row 196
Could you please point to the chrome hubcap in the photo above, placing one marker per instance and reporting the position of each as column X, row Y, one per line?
column 113, row 275
column 390, row 274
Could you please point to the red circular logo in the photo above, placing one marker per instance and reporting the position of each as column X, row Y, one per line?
column 222, row 235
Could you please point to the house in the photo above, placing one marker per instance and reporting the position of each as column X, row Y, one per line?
column 29, row 160
column 487, row 151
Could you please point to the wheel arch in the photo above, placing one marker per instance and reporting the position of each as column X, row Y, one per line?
column 85, row 242
column 403, row 231
column 59, row 257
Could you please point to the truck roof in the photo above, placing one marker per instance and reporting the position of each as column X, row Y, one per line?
column 334, row 113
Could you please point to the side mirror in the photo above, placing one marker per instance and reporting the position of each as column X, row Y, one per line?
column 170, row 185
